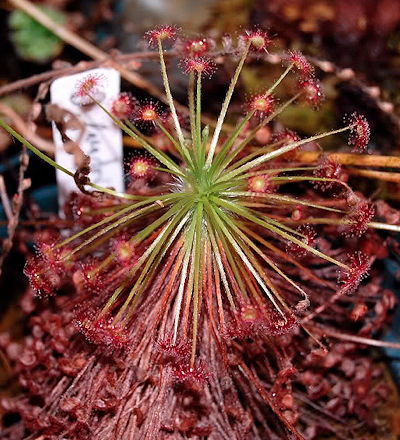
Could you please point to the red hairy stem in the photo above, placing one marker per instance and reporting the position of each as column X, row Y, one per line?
column 265, row 396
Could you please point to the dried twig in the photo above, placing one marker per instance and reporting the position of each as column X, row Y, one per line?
column 353, row 338
column 26, row 129
column 85, row 46
column 16, row 206
column 4, row 199
column 65, row 120
column 349, row 75
column 373, row 160
column 97, row 54
column 374, row 174
column 82, row 66
column 23, row 184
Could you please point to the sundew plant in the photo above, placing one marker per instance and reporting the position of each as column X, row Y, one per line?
column 219, row 242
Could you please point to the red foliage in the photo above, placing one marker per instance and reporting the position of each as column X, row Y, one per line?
column 190, row 375
column 124, row 251
column 300, row 62
column 174, row 353
column 42, row 279
column 147, row 113
column 358, row 218
column 312, row 92
column 87, row 277
column 102, row 332
column 141, row 166
column 253, row 321
column 162, row 32
column 359, row 132
column 197, row 47
column 262, row 105
column 308, row 237
column 359, row 310
column 276, row 324
column 359, row 265
column 123, row 106
column 203, row 66
column 285, row 138
column 246, row 323
column 327, row 168
column 258, row 39
column 91, row 86
column 260, row 184
column 85, row 209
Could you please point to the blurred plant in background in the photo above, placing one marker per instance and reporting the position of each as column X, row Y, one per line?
column 34, row 42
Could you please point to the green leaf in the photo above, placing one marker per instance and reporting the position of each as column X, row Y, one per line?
column 33, row 42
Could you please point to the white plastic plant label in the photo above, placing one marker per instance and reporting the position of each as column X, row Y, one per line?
column 101, row 138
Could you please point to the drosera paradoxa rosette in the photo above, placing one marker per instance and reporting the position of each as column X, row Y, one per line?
column 210, row 251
